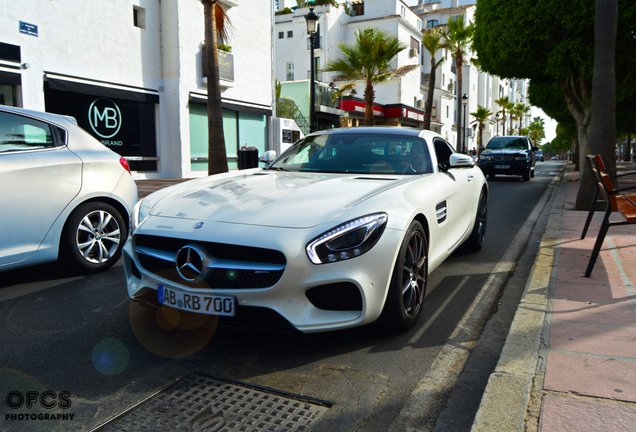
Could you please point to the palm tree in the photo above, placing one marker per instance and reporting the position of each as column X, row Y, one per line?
column 432, row 42
column 457, row 41
column 514, row 115
column 369, row 59
column 523, row 110
column 536, row 130
column 480, row 116
column 503, row 103
column 216, row 30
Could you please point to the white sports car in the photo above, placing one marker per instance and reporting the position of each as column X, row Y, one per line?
column 339, row 231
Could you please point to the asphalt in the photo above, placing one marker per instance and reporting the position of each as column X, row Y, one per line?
column 569, row 361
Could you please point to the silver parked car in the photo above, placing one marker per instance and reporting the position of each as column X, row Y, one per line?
column 64, row 195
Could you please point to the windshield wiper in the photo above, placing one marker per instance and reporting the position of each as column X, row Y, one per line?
column 278, row 169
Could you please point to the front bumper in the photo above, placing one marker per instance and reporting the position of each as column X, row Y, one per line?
column 369, row 273
column 504, row 167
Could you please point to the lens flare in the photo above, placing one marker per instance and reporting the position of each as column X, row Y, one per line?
column 110, row 356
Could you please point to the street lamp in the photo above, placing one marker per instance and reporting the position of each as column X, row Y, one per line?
column 464, row 101
column 312, row 28
column 497, row 118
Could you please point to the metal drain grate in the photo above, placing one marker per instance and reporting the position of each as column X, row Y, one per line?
column 205, row 403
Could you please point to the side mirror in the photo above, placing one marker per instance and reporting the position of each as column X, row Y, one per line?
column 458, row 160
column 268, row 156
column 535, row 149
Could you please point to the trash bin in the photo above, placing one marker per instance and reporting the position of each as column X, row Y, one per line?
column 247, row 158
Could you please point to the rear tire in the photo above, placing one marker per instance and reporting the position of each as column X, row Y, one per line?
column 93, row 237
column 403, row 305
column 526, row 176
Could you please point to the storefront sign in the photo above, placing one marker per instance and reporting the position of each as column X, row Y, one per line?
column 354, row 105
column 226, row 66
column 406, row 113
column 30, row 29
column 104, row 117
column 124, row 125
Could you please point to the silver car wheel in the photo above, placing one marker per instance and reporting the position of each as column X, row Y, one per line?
column 413, row 275
column 98, row 236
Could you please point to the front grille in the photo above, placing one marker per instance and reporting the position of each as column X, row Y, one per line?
column 502, row 157
column 259, row 268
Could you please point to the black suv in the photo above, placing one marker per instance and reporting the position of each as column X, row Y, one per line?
column 509, row 155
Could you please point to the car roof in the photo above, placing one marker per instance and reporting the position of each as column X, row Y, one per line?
column 384, row 130
column 45, row 116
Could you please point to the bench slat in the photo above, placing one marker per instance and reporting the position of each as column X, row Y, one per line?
column 626, row 208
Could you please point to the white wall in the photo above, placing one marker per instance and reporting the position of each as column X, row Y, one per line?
column 97, row 41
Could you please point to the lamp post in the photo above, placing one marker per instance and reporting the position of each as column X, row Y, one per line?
column 312, row 28
column 497, row 118
column 464, row 101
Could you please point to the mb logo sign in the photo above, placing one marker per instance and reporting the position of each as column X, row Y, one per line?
column 104, row 117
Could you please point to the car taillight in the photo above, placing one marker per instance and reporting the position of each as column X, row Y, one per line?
column 124, row 163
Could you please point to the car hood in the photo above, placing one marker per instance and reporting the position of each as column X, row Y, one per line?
column 270, row 198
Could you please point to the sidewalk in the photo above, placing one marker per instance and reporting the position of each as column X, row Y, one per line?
column 569, row 363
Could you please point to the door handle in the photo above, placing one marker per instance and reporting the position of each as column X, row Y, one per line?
column 470, row 177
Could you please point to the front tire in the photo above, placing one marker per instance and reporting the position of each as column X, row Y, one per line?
column 403, row 305
column 93, row 238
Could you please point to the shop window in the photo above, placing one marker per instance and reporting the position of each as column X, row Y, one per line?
column 139, row 17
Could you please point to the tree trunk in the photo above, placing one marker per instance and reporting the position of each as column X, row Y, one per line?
column 217, row 157
column 429, row 97
column 369, row 97
column 602, row 129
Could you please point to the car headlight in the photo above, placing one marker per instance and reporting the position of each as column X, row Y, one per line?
column 485, row 157
column 348, row 240
column 139, row 214
column 521, row 158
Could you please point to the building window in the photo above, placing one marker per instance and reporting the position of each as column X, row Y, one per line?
column 443, row 80
column 290, row 71
column 403, row 11
column 419, row 24
column 281, row 35
column 358, row 8
column 432, row 23
column 139, row 17
column 447, row 111
column 290, row 34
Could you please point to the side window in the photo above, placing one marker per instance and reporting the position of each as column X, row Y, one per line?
column 443, row 151
column 19, row 133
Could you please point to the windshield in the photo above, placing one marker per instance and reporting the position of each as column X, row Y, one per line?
column 357, row 153
column 507, row 143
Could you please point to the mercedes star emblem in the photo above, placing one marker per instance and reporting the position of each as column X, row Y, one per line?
column 190, row 263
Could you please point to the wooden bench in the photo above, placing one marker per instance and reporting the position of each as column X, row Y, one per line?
column 616, row 202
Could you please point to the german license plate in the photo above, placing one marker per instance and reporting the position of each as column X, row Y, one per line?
column 199, row 303
column 502, row 166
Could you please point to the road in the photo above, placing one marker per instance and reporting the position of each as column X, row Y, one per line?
column 81, row 334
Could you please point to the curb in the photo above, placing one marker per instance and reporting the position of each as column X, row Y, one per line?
column 508, row 392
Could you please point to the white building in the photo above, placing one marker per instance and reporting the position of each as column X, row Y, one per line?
column 482, row 89
column 131, row 73
column 397, row 102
